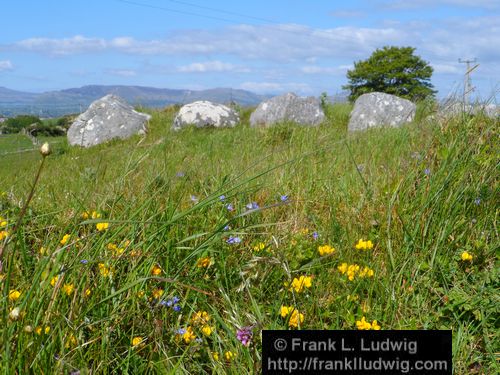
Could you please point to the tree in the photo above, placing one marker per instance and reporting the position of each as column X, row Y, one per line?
column 393, row 70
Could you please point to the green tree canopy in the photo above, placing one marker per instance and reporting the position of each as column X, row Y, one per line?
column 393, row 70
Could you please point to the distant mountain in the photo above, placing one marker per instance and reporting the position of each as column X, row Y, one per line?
column 75, row 100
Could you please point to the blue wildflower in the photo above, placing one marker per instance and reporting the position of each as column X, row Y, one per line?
column 222, row 198
column 194, row 199
column 284, row 198
column 176, row 300
column 181, row 331
column 84, row 261
column 477, row 201
column 427, row 171
column 226, row 228
column 315, row 235
column 252, row 206
column 180, row 174
column 230, row 207
column 233, row 240
column 176, row 308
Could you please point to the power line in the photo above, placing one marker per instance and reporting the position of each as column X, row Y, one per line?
column 207, row 16
column 221, row 11
column 175, row 11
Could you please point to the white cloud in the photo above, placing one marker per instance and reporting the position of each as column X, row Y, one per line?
column 314, row 69
column 210, row 66
column 122, row 72
column 6, row 65
column 404, row 4
column 65, row 46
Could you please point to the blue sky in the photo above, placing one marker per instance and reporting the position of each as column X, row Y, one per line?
column 271, row 46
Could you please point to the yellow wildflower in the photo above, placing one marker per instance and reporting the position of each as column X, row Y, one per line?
column 363, row 324
column 364, row 245
column 342, row 268
column 42, row 250
column 259, row 247
column 39, row 330
column 137, row 341
column 14, row 295
column 296, row 318
column 207, row 330
column 65, row 239
column 102, row 226
column 375, row 326
column 298, row 284
column 203, row 262
column 229, row 355
column 88, row 292
column 3, row 234
column 54, row 280
column 285, row 310
column 325, row 250
column 304, row 231
column 71, row 342
column 3, row 222
column 466, row 256
column 200, row 318
column 157, row 293
column 140, row 293
column 188, row 335
column 104, row 270
column 68, row 289
column 156, row 270
column 215, row 356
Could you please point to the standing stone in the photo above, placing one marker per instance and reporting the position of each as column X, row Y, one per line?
column 378, row 109
column 107, row 118
column 206, row 114
column 288, row 107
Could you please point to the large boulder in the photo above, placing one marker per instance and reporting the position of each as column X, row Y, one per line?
column 206, row 114
column 288, row 107
column 107, row 118
column 378, row 109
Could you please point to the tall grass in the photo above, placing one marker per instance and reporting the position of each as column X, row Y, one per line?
column 422, row 194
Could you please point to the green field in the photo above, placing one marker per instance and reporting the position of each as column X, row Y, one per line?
column 103, row 300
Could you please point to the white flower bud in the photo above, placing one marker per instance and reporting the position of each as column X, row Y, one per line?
column 45, row 149
column 14, row 313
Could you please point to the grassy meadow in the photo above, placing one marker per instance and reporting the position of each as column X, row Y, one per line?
column 149, row 255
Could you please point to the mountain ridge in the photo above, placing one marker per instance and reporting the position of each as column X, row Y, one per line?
column 75, row 100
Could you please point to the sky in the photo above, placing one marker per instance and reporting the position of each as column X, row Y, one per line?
column 268, row 47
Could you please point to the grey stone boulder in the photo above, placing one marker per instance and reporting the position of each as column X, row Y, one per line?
column 107, row 118
column 205, row 114
column 378, row 109
column 288, row 107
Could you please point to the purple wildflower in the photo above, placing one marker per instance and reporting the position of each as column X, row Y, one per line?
column 222, row 198
column 84, row 261
column 427, row 171
column 284, row 198
column 230, row 207
column 315, row 235
column 176, row 299
column 194, row 199
column 226, row 228
column 180, row 174
column 233, row 240
column 477, row 201
column 176, row 308
column 244, row 335
column 181, row 331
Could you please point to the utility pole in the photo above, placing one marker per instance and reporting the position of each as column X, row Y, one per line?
column 467, row 81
